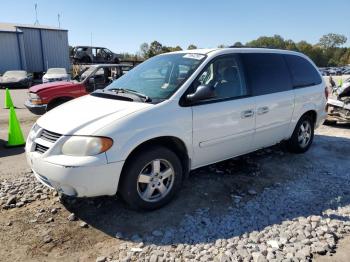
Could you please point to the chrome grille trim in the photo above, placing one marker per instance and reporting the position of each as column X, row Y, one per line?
column 41, row 149
column 49, row 136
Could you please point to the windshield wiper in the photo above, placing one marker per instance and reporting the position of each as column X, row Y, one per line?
column 126, row 90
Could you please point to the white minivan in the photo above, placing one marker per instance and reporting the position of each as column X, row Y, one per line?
column 141, row 136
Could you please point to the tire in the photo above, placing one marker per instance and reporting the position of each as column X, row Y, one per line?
column 301, row 140
column 142, row 183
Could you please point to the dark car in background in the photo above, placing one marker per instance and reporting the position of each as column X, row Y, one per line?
column 16, row 79
column 92, row 54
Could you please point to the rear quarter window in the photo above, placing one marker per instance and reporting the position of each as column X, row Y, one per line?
column 266, row 73
column 302, row 71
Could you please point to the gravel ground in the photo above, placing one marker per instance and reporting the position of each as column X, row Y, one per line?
column 268, row 206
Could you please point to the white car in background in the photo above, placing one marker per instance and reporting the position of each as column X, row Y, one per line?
column 56, row 74
column 175, row 112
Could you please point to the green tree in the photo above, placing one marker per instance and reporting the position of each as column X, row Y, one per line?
column 191, row 47
column 144, row 48
column 237, row 44
column 332, row 40
column 155, row 48
column 290, row 45
column 275, row 41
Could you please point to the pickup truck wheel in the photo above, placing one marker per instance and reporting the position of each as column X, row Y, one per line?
column 303, row 135
column 151, row 178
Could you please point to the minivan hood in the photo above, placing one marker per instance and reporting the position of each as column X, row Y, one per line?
column 41, row 87
column 87, row 114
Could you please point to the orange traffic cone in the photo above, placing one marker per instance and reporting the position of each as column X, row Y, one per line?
column 15, row 135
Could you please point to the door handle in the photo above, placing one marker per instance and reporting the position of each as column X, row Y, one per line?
column 247, row 113
column 263, row 110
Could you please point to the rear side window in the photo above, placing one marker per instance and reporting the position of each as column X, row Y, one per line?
column 302, row 71
column 266, row 73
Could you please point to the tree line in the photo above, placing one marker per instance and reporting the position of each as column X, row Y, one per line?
column 327, row 52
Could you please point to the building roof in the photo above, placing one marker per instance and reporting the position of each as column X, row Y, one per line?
column 11, row 27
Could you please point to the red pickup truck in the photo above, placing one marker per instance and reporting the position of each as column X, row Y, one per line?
column 44, row 97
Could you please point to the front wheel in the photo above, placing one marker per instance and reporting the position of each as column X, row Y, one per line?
column 303, row 135
column 151, row 178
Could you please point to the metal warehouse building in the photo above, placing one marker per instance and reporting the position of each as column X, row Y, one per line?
column 34, row 48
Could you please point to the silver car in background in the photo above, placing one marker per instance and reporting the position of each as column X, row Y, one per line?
column 56, row 74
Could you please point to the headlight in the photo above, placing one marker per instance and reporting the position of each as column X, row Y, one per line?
column 86, row 145
column 33, row 132
column 35, row 99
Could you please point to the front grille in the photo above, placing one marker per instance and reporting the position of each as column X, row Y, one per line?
column 49, row 136
column 41, row 149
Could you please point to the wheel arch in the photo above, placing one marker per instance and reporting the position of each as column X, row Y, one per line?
column 173, row 143
column 58, row 99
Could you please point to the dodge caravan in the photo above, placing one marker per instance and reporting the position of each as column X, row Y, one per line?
column 141, row 135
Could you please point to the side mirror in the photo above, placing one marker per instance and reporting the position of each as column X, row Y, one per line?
column 90, row 87
column 203, row 92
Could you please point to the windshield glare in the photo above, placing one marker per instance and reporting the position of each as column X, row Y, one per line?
column 159, row 77
column 56, row 71
column 15, row 74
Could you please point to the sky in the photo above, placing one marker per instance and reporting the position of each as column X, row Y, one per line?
column 123, row 26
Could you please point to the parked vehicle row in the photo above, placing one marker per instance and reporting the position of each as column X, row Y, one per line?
column 142, row 134
column 332, row 71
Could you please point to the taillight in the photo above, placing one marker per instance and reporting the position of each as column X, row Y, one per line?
column 326, row 93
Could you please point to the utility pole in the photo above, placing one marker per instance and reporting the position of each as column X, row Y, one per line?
column 36, row 14
column 59, row 21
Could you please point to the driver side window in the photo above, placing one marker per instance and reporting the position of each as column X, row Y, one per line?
column 225, row 76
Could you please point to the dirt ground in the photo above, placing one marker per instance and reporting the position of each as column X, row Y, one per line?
column 105, row 216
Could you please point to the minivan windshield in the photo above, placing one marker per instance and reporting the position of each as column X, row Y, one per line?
column 159, row 77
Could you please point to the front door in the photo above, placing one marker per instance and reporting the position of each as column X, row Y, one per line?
column 223, row 126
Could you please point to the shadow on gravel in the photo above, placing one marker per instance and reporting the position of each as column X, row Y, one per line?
column 338, row 125
column 4, row 151
column 235, row 197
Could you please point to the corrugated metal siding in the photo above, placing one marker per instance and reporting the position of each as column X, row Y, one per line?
column 32, row 48
column 21, row 43
column 41, row 49
column 56, row 50
column 9, row 55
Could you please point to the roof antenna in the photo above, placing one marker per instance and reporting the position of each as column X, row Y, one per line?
column 59, row 20
column 36, row 14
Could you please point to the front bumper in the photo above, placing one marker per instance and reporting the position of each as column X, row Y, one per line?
column 35, row 109
column 79, row 181
column 87, row 176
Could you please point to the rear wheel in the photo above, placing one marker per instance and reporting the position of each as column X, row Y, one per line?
column 151, row 178
column 303, row 135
